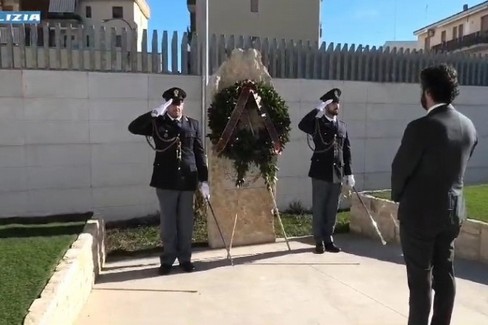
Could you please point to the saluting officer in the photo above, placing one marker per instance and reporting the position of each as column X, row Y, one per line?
column 179, row 170
column 331, row 163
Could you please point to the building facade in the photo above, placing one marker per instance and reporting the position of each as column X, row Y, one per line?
column 465, row 31
column 281, row 19
column 128, row 14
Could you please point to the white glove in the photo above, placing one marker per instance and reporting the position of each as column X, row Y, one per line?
column 321, row 107
column 161, row 110
column 349, row 180
column 205, row 190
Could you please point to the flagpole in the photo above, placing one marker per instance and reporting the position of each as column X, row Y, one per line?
column 205, row 77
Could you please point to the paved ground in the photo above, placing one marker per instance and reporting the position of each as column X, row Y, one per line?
column 268, row 285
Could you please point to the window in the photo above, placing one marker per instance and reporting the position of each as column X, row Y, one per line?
column 118, row 40
column 454, row 32
column 87, row 40
column 427, row 43
column 117, row 12
column 484, row 23
column 88, row 13
column 461, row 31
column 254, row 5
column 443, row 36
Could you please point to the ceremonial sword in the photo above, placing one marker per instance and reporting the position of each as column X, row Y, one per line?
column 229, row 256
column 375, row 225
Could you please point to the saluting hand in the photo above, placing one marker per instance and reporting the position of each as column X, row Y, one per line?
column 321, row 107
column 161, row 109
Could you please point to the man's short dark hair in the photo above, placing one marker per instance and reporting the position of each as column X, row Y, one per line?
column 441, row 81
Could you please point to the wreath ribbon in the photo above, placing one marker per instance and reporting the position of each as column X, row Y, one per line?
column 248, row 91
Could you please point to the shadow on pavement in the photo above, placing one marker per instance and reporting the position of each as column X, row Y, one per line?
column 366, row 247
column 350, row 244
column 201, row 266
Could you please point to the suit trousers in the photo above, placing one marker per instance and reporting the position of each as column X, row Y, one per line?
column 176, row 213
column 429, row 263
column 325, row 200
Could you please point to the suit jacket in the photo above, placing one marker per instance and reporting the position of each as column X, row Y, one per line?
column 428, row 170
column 325, row 165
column 167, row 172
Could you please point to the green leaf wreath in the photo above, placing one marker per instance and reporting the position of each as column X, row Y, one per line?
column 244, row 148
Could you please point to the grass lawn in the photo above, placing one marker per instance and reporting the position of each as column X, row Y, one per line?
column 476, row 201
column 142, row 236
column 28, row 255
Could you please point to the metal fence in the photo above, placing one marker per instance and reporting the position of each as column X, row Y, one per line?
column 93, row 48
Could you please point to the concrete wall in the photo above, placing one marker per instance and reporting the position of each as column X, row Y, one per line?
column 64, row 144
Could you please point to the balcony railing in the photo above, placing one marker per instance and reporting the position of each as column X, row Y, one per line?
column 469, row 40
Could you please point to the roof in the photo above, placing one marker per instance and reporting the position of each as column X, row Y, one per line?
column 403, row 44
column 456, row 16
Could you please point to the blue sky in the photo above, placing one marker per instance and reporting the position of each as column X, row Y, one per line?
column 367, row 22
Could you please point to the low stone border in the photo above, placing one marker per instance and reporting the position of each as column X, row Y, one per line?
column 472, row 243
column 67, row 291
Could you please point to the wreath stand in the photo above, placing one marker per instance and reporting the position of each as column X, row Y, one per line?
column 241, row 114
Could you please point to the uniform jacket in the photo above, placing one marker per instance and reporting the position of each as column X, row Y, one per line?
column 166, row 174
column 324, row 165
column 428, row 170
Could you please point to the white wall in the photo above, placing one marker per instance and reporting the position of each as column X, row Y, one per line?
column 376, row 115
column 65, row 147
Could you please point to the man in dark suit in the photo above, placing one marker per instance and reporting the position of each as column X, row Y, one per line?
column 427, row 179
column 331, row 163
column 179, row 169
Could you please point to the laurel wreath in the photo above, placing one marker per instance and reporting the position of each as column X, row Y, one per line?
column 245, row 148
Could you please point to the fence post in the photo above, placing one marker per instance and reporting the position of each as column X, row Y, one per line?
column 184, row 54
column 69, row 47
column 155, row 68
column 144, row 53
column 92, row 41
column 113, row 49
column 124, row 53
column 134, row 55
column 195, row 55
column 10, row 48
column 57, row 37
column 353, row 59
column 81, row 47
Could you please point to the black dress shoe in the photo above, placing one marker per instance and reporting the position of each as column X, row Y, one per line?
column 319, row 248
column 187, row 266
column 165, row 269
column 332, row 248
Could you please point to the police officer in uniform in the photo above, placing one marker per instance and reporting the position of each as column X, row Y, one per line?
column 179, row 170
column 331, row 164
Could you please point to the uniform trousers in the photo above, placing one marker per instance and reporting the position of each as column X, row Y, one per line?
column 176, row 213
column 325, row 201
